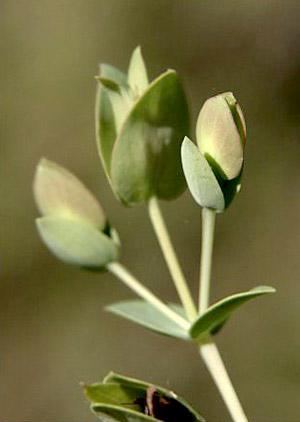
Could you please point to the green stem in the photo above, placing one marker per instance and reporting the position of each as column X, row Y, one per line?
column 208, row 229
column 208, row 349
column 134, row 284
column 169, row 253
column 213, row 361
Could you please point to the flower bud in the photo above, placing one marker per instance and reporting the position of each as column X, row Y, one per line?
column 213, row 169
column 139, row 127
column 73, row 224
column 221, row 135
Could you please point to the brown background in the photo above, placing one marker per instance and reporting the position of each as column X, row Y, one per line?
column 54, row 331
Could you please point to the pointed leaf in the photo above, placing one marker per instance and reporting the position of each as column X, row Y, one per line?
column 112, row 393
column 112, row 413
column 125, row 382
column 200, row 178
column 137, row 73
column 220, row 311
column 148, row 316
column 76, row 242
column 127, row 393
column 146, row 155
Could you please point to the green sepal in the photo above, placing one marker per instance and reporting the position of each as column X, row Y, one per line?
column 146, row 156
column 106, row 132
column 121, row 99
column 106, row 128
column 78, row 243
column 200, row 178
column 143, row 313
column 137, row 73
column 111, row 72
column 219, row 312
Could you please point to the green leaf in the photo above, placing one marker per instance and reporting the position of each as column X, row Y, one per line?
column 121, row 398
column 148, row 316
column 146, row 155
column 112, row 393
column 200, row 178
column 137, row 73
column 111, row 413
column 76, row 242
column 116, row 400
column 126, row 382
column 220, row 311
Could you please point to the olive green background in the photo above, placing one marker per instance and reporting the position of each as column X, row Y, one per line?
column 54, row 331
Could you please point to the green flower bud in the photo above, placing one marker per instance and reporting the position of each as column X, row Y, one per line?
column 119, row 398
column 213, row 170
column 139, row 127
column 221, row 134
column 73, row 224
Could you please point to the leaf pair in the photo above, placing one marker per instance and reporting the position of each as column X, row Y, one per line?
column 123, row 399
column 216, row 315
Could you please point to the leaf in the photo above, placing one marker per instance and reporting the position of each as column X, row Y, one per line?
column 143, row 386
column 220, row 311
column 148, row 316
column 112, row 393
column 111, row 413
column 146, row 155
column 137, row 73
column 76, row 242
column 200, row 178
column 115, row 400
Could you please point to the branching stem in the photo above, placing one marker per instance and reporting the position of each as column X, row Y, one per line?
column 134, row 284
column 170, row 256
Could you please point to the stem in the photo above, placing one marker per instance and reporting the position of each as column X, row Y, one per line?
column 169, row 253
column 208, row 349
column 124, row 275
column 208, row 228
column 211, row 356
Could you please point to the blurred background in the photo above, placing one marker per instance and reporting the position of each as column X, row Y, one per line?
column 54, row 331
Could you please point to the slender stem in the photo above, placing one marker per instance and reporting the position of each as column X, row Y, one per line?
column 208, row 228
column 216, row 367
column 169, row 253
column 124, row 275
column 208, row 349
